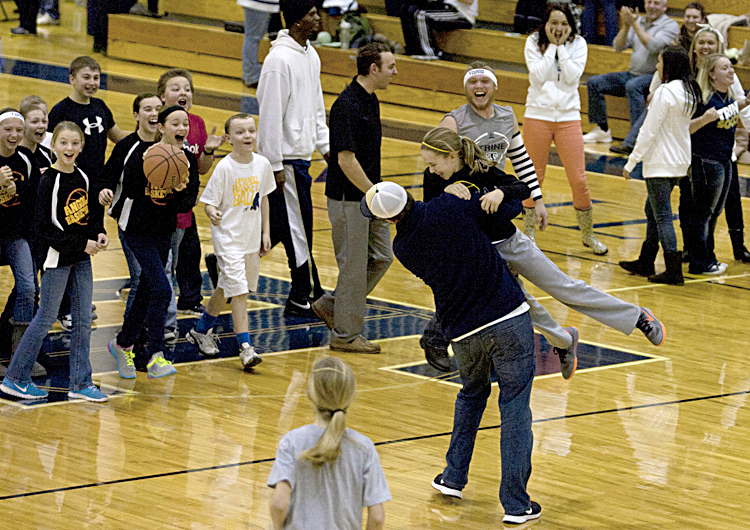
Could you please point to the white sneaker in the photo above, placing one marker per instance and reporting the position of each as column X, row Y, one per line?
column 716, row 269
column 249, row 356
column 47, row 20
column 206, row 342
column 597, row 136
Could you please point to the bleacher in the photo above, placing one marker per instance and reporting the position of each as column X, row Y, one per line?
column 418, row 95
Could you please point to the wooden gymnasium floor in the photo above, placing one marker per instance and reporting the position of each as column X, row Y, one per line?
column 641, row 437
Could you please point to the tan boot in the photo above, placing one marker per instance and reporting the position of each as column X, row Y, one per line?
column 586, row 224
column 529, row 223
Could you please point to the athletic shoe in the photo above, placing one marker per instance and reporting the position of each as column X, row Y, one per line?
column 170, row 336
column 358, row 344
column 124, row 358
column 299, row 309
column 652, row 328
column 436, row 356
column 90, row 393
column 66, row 322
column 249, row 357
column 568, row 357
column 534, row 512
column 27, row 391
column 206, row 342
column 212, row 264
column 597, row 135
column 443, row 488
column 47, row 20
column 21, row 31
column 715, row 269
column 196, row 311
column 323, row 314
column 158, row 366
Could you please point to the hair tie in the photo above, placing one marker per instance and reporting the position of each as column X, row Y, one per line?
column 164, row 113
column 435, row 148
column 337, row 410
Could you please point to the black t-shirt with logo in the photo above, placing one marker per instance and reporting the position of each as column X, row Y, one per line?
column 716, row 140
column 16, row 208
column 62, row 221
column 95, row 120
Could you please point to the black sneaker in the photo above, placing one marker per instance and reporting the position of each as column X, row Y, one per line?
column 196, row 311
column 443, row 488
column 436, row 356
column 299, row 309
column 621, row 149
column 534, row 512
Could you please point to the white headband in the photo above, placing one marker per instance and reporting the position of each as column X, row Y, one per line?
column 11, row 114
column 480, row 71
column 707, row 28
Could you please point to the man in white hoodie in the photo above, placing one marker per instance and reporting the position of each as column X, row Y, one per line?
column 291, row 125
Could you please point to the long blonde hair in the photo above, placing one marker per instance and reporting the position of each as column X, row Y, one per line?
column 331, row 388
column 705, row 81
column 442, row 141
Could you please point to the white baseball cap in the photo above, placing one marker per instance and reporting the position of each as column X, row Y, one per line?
column 384, row 200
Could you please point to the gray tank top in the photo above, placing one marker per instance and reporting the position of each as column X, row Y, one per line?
column 492, row 135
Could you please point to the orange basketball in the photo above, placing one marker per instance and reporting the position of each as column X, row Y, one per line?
column 164, row 165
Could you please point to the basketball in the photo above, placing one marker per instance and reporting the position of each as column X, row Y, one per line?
column 164, row 165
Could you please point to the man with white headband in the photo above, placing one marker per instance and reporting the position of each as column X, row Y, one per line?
column 495, row 129
column 18, row 174
column 485, row 316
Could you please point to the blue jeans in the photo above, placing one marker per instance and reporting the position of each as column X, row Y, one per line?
column 135, row 273
column 77, row 280
column 256, row 25
column 659, row 218
column 18, row 256
column 588, row 21
column 153, row 295
column 508, row 347
column 635, row 128
column 635, row 88
column 709, row 183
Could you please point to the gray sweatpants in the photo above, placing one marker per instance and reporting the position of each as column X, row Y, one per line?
column 363, row 253
column 525, row 259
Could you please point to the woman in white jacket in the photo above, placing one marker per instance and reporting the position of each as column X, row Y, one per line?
column 663, row 145
column 556, row 57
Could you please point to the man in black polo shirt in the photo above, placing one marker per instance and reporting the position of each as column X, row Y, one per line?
column 362, row 245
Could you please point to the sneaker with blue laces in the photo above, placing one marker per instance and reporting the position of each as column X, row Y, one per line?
column 26, row 391
column 158, row 366
column 534, row 512
column 90, row 393
column 124, row 358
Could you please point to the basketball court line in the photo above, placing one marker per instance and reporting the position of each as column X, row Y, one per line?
column 377, row 444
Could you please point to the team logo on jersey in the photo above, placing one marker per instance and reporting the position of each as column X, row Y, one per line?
column 494, row 145
column 91, row 126
column 158, row 196
column 245, row 191
column 77, row 208
column 7, row 199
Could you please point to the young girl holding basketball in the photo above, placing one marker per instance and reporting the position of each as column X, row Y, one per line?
column 148, row 219
column 66, row 238
column 325, row 474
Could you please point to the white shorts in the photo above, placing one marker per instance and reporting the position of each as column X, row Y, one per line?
column 238, row 274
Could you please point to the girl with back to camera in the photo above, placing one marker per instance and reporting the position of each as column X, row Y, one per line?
column 325, row 474
column 664, row 146
column 556, row 57
column 66, row 238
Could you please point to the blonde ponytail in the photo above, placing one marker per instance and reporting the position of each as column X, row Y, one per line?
column 331, row 388
column 442, row 141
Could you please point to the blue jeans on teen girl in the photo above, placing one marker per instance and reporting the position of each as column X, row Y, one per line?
column 508, row 348
column 17, row 254
column 659, row 218
column 77, row 280
column 709, row 183
column 154, row 292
